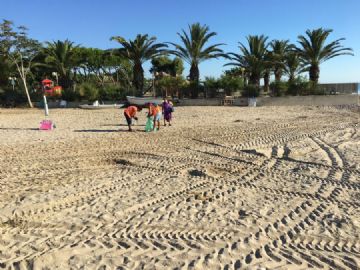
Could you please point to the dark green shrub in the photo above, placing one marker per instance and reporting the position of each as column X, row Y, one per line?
column 89, row 91
column 299, row 86
column 70, row 95
column 314, row 89
column 211, row 86
column 278, row 88
column 193, row 89
column 231, row 84
column 112, row 92
column 12, row 98
column 251, row 91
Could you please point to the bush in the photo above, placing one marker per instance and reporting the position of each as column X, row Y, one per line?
column 211, row 86
column 69, row 94
column 169, row 85
column 231, row 84
column 110, row 92
column 192, row 89
column 12, row 98
column 251, row 91
column 228, row 83
column 89, row 91
column 279, row 88
column 299, row 86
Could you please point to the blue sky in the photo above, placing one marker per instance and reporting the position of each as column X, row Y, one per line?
column 92, row 23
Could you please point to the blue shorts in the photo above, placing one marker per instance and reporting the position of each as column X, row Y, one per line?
column 157, row 116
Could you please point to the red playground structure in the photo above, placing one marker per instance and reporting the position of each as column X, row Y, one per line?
column 49, row 89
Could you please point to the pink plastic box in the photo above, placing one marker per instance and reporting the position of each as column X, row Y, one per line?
column 46, row 125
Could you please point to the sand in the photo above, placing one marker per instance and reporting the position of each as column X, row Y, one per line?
column 223, row 188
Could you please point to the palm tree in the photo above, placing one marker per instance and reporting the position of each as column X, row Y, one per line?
column 138, row 51
column 279, row 48
column 266, row 76
column 193, row 50
column 254, row 58
column 60, row 55
column 293, row 65
column 313, row 51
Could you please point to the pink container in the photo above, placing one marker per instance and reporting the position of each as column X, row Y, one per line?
column 46, row 125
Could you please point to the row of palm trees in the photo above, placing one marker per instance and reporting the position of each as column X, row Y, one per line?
column 258, row 58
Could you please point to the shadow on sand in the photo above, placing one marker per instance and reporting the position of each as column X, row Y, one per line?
column 99, row 130
column 19, row 129
column 106, row 130
column 119, row 125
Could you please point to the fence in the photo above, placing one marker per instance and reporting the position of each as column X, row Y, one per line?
column 339, row 88
column 326, row 100
column 329, row 100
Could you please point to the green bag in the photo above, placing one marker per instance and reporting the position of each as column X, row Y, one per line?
column 149, row 125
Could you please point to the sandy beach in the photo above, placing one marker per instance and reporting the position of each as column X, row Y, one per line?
column 223, row 188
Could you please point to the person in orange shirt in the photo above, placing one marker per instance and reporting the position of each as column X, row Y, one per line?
column 155, row 111
column 130, row 113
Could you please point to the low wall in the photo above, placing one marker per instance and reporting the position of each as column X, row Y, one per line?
column 56, row 104
column 211, row 102
column 241, row 102
column 69, row 104
column 260, row 101
column 200, row 102
column 308, row 100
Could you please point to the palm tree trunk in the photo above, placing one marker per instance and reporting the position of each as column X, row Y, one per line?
column 246, row 80
column 254, row 79
column 278, row 74
column 194, row 73
column 194, row 80
column 314, row 73
column 138, row 77
column 266, row 81
column 291, row 77
column 64, row 82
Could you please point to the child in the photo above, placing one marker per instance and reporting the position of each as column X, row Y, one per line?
column 167, row 110
column 130, row 113
column 155, row 111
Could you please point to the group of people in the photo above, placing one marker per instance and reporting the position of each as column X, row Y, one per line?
column 154, row 114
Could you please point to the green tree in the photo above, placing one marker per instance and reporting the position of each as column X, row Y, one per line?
column 193, row 50
column 6, row 42
column 90, row 61
column 211, row 85
column 231, row 83
column 171, row 67
column 101, row 66
column 138, row 51
column 292, row 65
column 90, row 91
column 170, row 85
column 313, row 50
column 278, row 52
column 61, row 57
column 18, row 50
column 252, row 57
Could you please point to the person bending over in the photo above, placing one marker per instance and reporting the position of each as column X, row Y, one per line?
column 130, row 113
